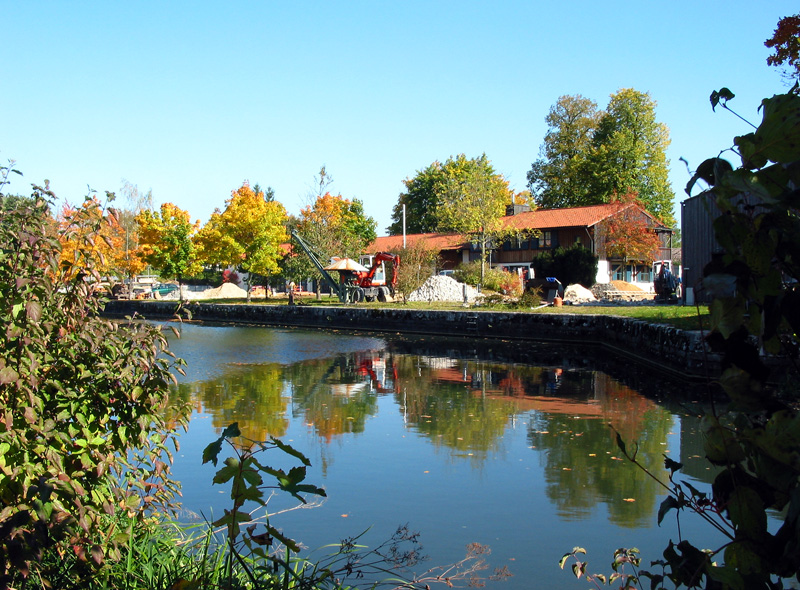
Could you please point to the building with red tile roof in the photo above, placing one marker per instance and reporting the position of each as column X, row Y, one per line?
column 534, row 232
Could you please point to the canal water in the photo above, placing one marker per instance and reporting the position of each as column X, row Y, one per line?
column 505, row 444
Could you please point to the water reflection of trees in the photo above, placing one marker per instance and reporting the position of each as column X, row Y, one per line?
column 464, row 406
column 334, row 396
column 252, row 395
column 583, row 466
column 443, row 400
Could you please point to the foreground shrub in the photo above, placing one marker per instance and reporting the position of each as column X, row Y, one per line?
column 84, row 403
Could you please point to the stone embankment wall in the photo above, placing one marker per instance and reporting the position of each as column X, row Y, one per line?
column 665, row 348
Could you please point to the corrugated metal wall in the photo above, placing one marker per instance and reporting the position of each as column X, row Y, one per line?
column 697, row 239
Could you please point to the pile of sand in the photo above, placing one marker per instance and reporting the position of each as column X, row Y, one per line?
column 625, row 286
column 620, row 291
column 225, row 291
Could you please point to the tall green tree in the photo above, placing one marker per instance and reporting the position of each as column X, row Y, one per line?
column 165, row 237
column 425, row 193
column 629, row 154
column 589, row 156
column 420, row 199
column 559, row 177
column 472, row 201
column 247, row 235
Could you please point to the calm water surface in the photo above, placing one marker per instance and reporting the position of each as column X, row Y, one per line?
column 501, row 443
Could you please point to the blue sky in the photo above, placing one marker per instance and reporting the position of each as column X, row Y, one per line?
column 189, row 99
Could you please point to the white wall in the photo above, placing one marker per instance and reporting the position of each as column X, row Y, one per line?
column 603, row 272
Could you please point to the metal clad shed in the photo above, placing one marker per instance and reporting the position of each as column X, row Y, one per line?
column 698, row 241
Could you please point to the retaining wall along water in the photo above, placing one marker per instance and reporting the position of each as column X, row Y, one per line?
column 665, row 348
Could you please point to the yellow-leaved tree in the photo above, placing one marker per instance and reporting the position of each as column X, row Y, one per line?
column 247, row 235
column 166, row 242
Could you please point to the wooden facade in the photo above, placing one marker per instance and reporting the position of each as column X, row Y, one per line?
column 532, row 233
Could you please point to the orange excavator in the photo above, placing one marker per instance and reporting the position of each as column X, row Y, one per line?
column 374, row 281
column 358, row 281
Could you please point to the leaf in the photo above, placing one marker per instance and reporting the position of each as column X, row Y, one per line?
column 291, row 544
column 722, row 95
column 212, row 451
column 727, row 576
column 671, row 464
column 291, row 451
column 778, row 137
column 747, row 512
column 34, row 311
column 668, row 504
column 8, row 375
column 231, row 431
column 229, row 471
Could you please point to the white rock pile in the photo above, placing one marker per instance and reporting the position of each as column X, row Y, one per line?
column 578, row 294
column 442, row 288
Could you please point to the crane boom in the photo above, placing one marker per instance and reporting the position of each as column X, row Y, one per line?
column 337, row 288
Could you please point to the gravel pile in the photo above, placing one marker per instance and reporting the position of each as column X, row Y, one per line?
column 442, row 288
column 578, row 294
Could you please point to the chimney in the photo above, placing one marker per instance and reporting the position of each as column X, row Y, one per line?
column 513, row 209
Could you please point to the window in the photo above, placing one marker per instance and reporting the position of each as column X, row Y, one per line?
column 516, row 243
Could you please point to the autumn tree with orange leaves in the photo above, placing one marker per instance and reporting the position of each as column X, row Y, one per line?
column 106, row 245
column 629, row 235
column 334, row 226
column 786, row 43
column 247, row 235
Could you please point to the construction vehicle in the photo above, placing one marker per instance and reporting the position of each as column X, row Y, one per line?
column 356, row 281
column 665, row 283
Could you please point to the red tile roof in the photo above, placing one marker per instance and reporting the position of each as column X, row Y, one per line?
column 540, row 219
column 569, row 217
column 433, row 241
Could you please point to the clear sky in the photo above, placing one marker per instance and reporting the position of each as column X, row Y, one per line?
column 189, row 99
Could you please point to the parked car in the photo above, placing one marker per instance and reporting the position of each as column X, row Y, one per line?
column 164, row 288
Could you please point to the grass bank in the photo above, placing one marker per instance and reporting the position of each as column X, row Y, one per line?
column 678, row 316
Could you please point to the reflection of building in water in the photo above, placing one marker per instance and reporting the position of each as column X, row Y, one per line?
column 347, row 389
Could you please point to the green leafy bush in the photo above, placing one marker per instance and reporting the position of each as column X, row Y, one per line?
column 494, row 279
column 85, row 421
